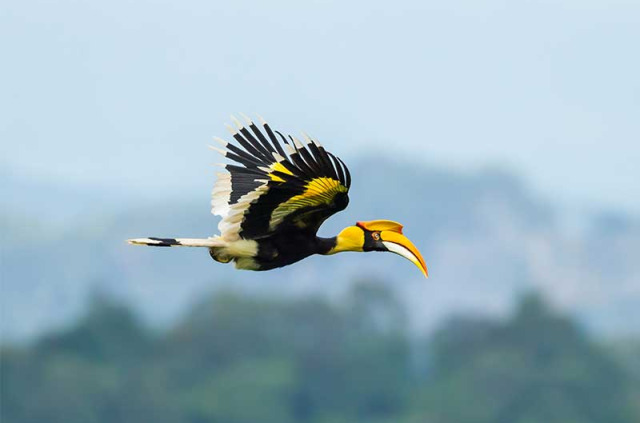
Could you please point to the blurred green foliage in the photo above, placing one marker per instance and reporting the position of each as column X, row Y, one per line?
column 237, row 359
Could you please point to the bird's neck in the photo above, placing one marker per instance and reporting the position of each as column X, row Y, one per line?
column 325, row 246
column 349, row 239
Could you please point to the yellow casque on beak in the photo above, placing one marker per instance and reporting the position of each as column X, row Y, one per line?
column 400, row 244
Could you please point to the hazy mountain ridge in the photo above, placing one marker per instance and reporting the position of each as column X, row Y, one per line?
column 484, row 235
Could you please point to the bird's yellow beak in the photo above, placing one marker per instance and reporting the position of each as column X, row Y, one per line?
column 393, row 239
column 400, row 244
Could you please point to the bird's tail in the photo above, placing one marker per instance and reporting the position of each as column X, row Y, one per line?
column 178, row 242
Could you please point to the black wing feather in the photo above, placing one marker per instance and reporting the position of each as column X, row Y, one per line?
column 291, row 180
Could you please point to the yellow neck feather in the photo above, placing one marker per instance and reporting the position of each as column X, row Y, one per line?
column 350, row 239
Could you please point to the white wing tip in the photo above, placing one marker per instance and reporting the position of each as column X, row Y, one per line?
column 219, row 150
column 290, row 149
column 236, row 122
column 230, row 129
column 220, row 141
column 297, row 143
column 143, row 241
column 246, row 118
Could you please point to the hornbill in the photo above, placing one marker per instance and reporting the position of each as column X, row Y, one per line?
column 275, row 198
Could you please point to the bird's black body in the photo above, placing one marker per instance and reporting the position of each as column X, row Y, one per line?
column 295, row 238
column 287, row 247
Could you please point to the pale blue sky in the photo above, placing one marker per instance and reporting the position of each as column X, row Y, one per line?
column 128, row 94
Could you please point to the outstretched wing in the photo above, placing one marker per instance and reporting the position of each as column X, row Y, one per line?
column 275, row 184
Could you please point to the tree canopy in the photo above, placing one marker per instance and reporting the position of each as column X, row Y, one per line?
column 236, row 359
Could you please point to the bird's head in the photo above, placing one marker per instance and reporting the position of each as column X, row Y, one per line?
column 379, row 235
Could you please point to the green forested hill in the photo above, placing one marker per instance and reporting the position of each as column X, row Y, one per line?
column 237, row 359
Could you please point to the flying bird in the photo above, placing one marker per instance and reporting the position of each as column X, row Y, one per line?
column 275, row 197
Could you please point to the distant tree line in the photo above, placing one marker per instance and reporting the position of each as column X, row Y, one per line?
column 237, row 359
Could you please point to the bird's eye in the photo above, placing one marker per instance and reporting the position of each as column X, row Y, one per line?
column 376, row 236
